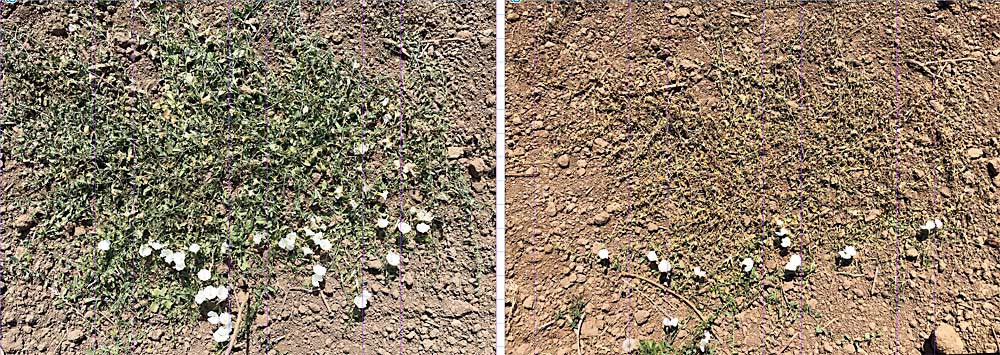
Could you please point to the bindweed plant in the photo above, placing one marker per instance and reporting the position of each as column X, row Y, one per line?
column 205, row 160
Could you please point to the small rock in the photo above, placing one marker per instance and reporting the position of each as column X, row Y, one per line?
column 156, row 334
column 75, row 336
column 24, row 222
column 682, row 12
column 563, row 161
column 601, row 142
column 591, row 327
column 974, row 153
column 457, row 309
column 912, row 253
column 551, row 209
column 947, row 341
column 12, row 344
column 993, row 167
column 464, row 34
column 375, row 264
column 455, row 152
column 602, row 218
column 477, row 167
column 642, row 316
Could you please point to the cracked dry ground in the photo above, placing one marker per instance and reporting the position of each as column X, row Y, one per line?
column 643, row 135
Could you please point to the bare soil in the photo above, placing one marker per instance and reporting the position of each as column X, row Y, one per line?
column 645, row 133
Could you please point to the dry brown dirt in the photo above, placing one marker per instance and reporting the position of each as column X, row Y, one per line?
column 645, row 133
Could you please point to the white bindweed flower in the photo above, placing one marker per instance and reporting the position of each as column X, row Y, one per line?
column 423, row 227
column 384, row 194
column 848, row 253
column 338, row 192
column 786, row 242
column 211, row 292
column 288, row 242
column 222, row 293
column 664, row 266
column 392, row 258
column 630, row 345
column 603, row 254
column 179, row 260
column 204, row 275
column 194, row 248
column 382, row 223
column 167, row 256
column 104, row 245
column 319, row 272
column 307, row 250
column 222, row 334
column 156, row 245
column 651, row 256
column 145, row 250
column 793, row 262
column 257, row 238
column 782, row 232
column 404, row 227
column 224, row 319
column 361, row 301
column 326, row 245
column 207, row 293
column 213, row 318
column 670, row 322
column 779, row 223
column 747, row 265
column 703, row 344
column 932, row 225
column 698, row 272
column 224, row 248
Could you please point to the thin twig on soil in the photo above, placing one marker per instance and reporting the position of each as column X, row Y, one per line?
column 946, row 61
column 325, row 303
column 920, row 65
column 671, row 292
column 923, row 66
column 996, row 341
column 787, row 344
column 547, row 324
column 243, row 300
column 522, row 175
column 443, row 40
column 654, row 304
column 580, row 325
column 848, row 274
column 874, row 279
